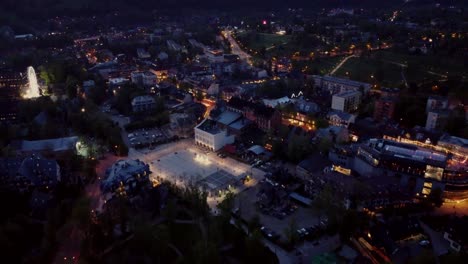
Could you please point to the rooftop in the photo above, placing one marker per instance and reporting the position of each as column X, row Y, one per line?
column 57, row 144
column 209, row 126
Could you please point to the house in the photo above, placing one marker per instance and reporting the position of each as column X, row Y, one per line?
column 145, row 79
column 162, row 56
column 172, row 45
column 333, row 133
column 306, row 107
column 143, row 54
column 125, row 177
column 340, row 118
column 312, row 165
column 143, row 103
column 276, row 102
column 346, row 101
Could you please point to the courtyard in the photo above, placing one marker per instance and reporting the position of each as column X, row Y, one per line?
column 185, row 163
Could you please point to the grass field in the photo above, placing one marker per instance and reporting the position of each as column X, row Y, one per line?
column 320, row 66
column 390, row 65
column 362, row 69
column 258, row 40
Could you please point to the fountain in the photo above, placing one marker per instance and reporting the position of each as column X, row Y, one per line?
column 32, row 87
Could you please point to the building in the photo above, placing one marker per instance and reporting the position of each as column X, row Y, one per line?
column 436, row 119
column 346, row 101
column 126, row 177
column 143, row 103
column 335, row 85
column 455, row 144
column 172, row 45
column 48, row 147
column 143, row 54
column 336, row 134
column 210, row 135
column 144, row 79
column 339, row 118
column 31, row 172
column 419, row 167
column 214, row 56
column 264, row 117
column 436, row 103
column 384, row 107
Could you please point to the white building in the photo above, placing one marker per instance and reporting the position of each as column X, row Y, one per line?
column 145, row 79
column 436, row 119
column 208, row 134
column 338, row 118
column 143, row 103
column 339, row 85
column 346, row 101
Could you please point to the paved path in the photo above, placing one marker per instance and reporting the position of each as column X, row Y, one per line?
column 439, row 244
column 235, row 48
column 341, row 63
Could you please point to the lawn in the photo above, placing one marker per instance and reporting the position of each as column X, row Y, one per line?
column 387, row 66
column 256, row 41
column 362, row 69
column 321, row 66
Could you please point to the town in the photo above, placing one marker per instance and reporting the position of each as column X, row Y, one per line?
column 336, row 133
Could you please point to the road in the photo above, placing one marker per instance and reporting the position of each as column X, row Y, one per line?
column 341, row 64
column 235, row 48
column 70, row 246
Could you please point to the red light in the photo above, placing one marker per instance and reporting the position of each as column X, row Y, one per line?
column 264, row 22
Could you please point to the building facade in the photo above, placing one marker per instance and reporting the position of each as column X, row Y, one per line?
column 208, row 134
column 143, row 103
column 346, row 101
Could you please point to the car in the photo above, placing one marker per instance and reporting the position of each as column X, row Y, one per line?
column 269, row 234
column 424, row 243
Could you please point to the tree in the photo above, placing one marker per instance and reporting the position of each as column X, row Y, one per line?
column 71, row 86
column 291, row 232
column 435, row 197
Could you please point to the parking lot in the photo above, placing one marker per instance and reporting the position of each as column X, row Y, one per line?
column 146, row 137
column 302, row 216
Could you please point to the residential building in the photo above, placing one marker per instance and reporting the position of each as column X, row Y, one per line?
column 335, row 85
column 339, row 118
column 436, row 119
column 436, row 103
column 145, row 79
column 172, row 45
column 210, row 135
column 336, row 134
column 384, row 107
column 126, row 177
column 143, row 103
column 346, row 101
column 143, row 54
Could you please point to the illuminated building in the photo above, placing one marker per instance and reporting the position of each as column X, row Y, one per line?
column 125, row 177
column 208, row 134
column 421, row 169
column 347, row 101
